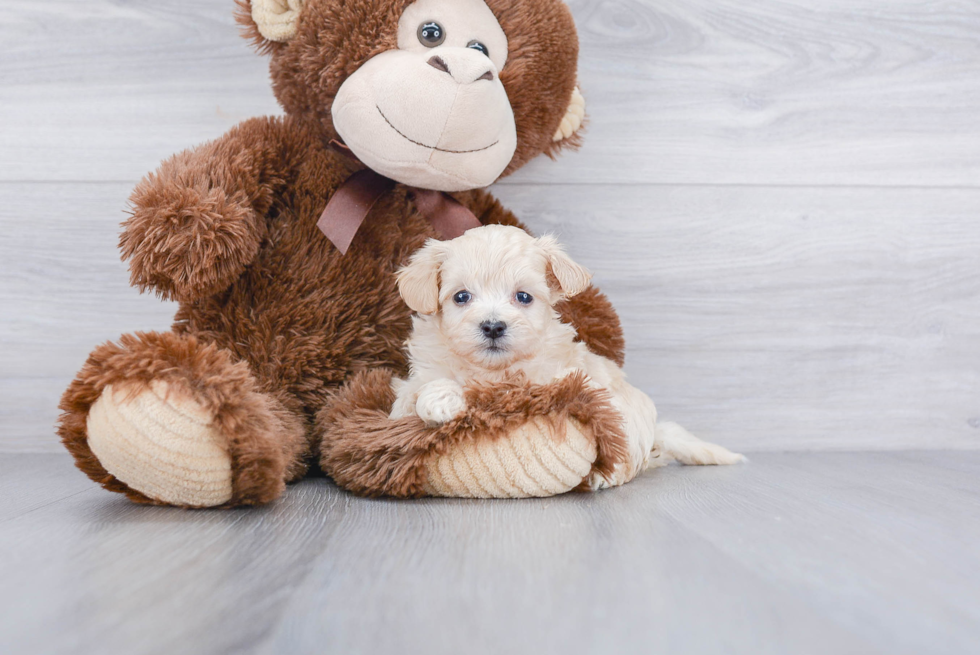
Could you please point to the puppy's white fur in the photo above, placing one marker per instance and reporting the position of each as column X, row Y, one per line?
column 448, row 349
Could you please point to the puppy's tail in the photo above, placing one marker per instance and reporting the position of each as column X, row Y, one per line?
column 677, row 443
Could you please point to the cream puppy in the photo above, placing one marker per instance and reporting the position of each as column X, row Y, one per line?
column 485, row 304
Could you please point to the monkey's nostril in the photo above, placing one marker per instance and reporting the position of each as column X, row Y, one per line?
column 486, row 76
column 493, row 329
column 438, row 63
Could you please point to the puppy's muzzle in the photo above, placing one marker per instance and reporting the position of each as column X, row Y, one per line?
column 493, row 330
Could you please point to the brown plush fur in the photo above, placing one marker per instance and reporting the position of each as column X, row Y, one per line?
column 272, row 318
column 369, row 454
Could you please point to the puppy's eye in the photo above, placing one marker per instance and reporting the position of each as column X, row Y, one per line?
column 431, row 34
column 462, row 297
column 476, row 45
column 523, row 297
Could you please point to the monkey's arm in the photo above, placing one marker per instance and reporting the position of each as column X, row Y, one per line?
column 590, row 311
column 197, row 222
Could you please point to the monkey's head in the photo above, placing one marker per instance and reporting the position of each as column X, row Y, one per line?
column 440, row 94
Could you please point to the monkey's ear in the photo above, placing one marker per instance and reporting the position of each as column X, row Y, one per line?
column 418, row 282
column 573, row 278
column 574, row 115
column 269, row 20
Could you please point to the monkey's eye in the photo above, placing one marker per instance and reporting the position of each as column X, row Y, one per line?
column 462, row 297
column 476, row 45
column 431, row 34
column 524, row 297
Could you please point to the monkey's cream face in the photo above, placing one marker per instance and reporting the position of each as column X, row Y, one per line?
column 433, row 113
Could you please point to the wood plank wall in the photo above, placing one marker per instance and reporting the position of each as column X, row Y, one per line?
column 782, row 198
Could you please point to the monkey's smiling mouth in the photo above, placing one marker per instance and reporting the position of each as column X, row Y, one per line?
column 407, row 138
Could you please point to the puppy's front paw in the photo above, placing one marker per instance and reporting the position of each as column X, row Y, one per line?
column 402, row 408
column 440, row 401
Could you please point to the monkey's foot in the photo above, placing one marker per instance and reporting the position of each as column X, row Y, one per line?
column 160, row 442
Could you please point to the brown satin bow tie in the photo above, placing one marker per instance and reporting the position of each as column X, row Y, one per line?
column 353, row 200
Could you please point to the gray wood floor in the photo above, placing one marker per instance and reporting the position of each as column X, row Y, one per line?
column 793, row 553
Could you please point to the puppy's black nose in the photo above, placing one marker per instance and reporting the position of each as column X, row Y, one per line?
column 493, row 329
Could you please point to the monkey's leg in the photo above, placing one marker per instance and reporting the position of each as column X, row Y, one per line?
column 166, row 419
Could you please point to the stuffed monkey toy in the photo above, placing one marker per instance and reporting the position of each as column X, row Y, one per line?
column 280, row 241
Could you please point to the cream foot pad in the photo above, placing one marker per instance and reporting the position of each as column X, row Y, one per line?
column 160, row 443
column 531, row 462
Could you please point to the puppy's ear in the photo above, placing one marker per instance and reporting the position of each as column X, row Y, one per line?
column 572, row 278
column 418, row 282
